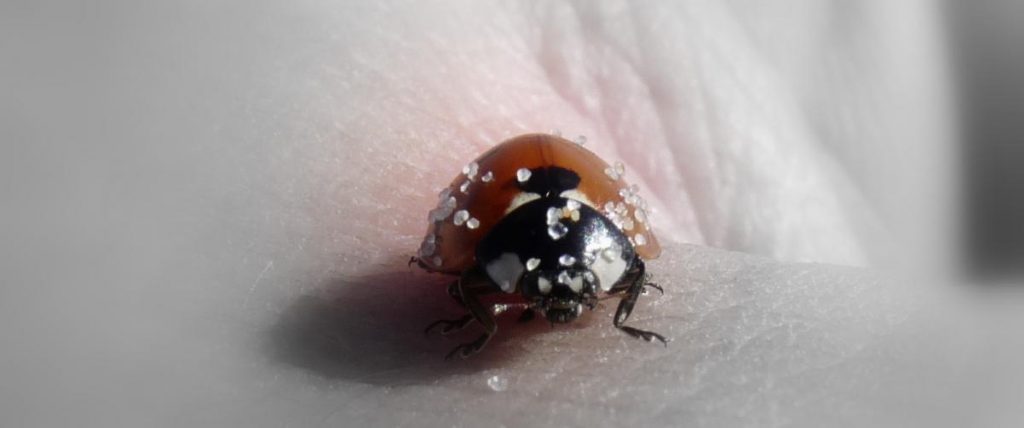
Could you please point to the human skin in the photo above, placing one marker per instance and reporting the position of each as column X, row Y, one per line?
column 215, row 203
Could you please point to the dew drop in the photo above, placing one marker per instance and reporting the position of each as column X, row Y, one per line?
column 557, row 231
column 564, row 278
column 427, row 249
column 553, row 215
column 497, row 383
column 522, row 175
column 470, row 170
column 640, row 215
column 460, row 217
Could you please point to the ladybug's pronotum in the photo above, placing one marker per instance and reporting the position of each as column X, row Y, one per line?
column 544, row 218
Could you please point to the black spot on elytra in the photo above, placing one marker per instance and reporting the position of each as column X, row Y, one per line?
column 550, row 181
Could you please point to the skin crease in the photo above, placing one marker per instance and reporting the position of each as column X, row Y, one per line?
column 211, row 223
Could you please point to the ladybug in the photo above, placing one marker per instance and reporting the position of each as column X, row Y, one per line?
column 544, row 218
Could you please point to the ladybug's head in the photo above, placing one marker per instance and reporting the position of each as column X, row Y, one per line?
column 560, row 294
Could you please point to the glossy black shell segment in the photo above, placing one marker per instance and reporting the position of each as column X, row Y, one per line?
column 525, row 233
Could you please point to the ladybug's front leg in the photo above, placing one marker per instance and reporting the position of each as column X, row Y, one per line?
column 471, row 286
column 637, row 281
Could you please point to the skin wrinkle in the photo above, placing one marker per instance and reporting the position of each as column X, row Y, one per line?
column 561, row 83
column 692, row 173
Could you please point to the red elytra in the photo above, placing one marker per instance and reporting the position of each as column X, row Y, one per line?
column 482, row 195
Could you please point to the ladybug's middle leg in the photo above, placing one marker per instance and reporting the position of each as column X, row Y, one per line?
column 637, row 279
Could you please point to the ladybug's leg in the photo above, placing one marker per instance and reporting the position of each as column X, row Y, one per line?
column 637, row 279
column 471, row 286
column 527, row 315
column 452, row 326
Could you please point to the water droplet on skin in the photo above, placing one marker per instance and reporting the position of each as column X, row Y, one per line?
column 497, row 383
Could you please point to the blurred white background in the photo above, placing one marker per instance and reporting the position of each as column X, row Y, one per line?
column 207, row 207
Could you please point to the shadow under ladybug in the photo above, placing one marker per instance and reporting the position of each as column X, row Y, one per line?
column 368, row 328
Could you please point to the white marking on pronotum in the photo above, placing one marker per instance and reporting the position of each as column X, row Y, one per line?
column 608, row 267
column 532, row 263
column 505, row 271
column 577, row 196
column 521, row 199
column 472, row 223
column 543, row 285
column 566, row 260
column 487, row 177
column 523, row 174
column 576, row 284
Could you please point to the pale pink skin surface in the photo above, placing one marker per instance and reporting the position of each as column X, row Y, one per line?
column 209, row 207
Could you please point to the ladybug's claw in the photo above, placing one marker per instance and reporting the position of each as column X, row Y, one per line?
column 466, row 349
column 450, row 326
column 655, row 286
column 649, row 336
